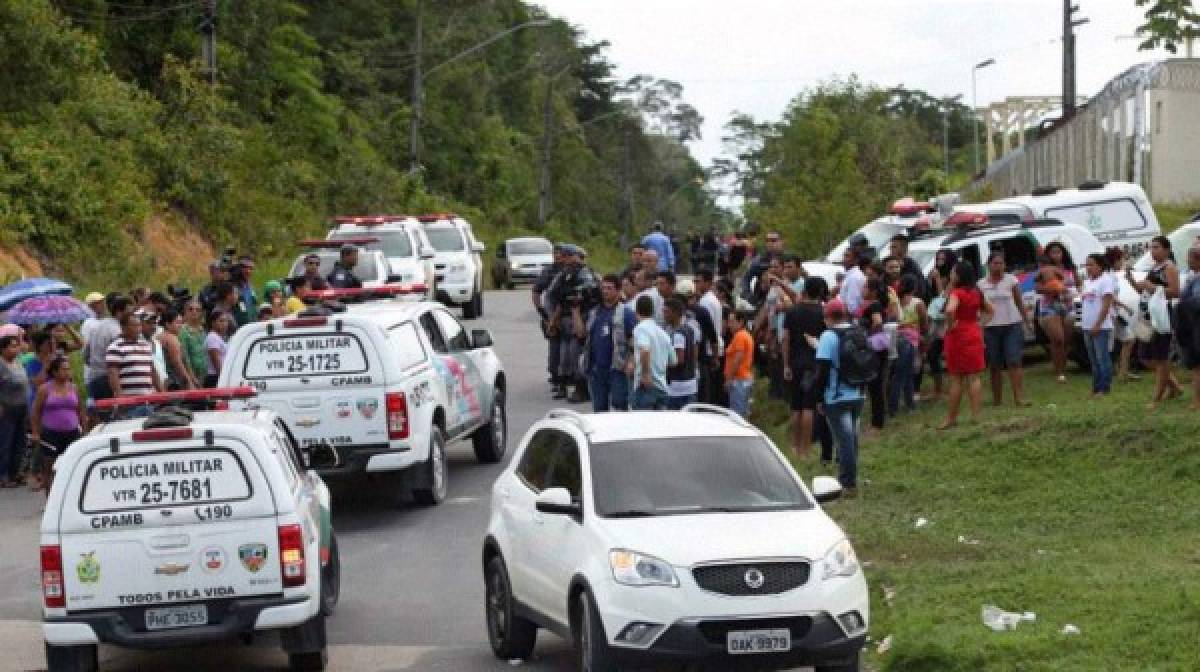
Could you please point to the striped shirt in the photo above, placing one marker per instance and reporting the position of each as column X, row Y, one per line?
column 135, row 365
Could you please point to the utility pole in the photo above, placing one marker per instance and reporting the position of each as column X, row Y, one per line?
column 414, row 125
column 975, row 110
column 547, row 152
column 946, row 103
column 627, row 184
column 208, row 28
column 1070, row 23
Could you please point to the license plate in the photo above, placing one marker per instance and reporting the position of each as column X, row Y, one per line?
column 759, row 641
column 176, row 617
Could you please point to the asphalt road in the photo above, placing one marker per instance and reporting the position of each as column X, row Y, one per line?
column 412, row 586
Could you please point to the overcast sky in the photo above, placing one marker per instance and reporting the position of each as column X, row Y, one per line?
column 754, row 56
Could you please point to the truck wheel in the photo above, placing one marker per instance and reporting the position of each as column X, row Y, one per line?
column 305, row 645
column 473, row 308
column 331, row 579
column 510, row 635
column 433, row 479
column 491, row 440
column 83, row 658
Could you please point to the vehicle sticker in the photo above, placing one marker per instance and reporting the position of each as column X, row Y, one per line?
column 212, row 559
column 367, row 407
column 188, row 477
column 88, row 568
column 328, row 440
column 218, row 512
column 290, row 356
column 253, row 556
column 343, row 409
column 116, row 520
column 307, row 422
column 171, row 569
column 350, row 380
column 462, row 392
column 421, row 393
column 176, row 595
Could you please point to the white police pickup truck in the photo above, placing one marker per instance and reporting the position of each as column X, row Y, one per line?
column 185, row 528
column 385, row 384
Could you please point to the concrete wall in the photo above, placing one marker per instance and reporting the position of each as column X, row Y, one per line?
column 1175, row 146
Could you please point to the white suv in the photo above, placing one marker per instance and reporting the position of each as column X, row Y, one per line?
column 458, row 263
column 684, row 537
column 402, row 240
column 181, row 529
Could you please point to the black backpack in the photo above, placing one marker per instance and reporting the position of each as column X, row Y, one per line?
column 858, row 364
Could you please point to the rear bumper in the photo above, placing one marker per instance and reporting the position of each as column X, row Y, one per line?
column 815, row 641
column 228, row 618
column 370, row 458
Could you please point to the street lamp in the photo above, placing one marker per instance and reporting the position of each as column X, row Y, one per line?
column 946, row 103
column 975, row 108
column 419, row 77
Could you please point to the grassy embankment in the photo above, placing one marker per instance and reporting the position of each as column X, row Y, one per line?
column 1084, row 512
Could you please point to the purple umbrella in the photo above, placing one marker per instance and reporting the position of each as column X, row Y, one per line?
column 49, row 310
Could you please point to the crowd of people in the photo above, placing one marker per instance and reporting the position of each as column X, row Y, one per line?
column 137, row 343
column 644, row 339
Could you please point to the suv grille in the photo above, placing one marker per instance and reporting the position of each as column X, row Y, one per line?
column 716, row 632
column 776, row 577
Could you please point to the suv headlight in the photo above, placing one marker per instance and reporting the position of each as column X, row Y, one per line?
column 631, row 568
column 839, row 561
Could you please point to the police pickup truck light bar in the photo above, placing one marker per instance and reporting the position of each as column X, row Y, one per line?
column 335, row 244
column 907, row 207
column 369, row 220
column 182, row 396
column 381, row 292
column 436, row 217
column 967, row 220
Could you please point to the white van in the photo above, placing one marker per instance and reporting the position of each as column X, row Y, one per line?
column 385, row 384
column 186, row 528
column 1117, row 213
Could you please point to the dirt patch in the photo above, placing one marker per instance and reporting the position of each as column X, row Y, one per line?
column 17, row 263
column 177, row 250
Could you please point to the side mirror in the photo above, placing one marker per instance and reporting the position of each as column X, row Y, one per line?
column 481, row 338
column 826, row 489
column 557, row 501
column 478, row 246
column 427, row 253
column 323, row 456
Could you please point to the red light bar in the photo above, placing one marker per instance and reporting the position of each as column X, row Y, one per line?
column 170, row 434
column 328, row 243
column 436, row 217
column 164, row 398
column 907, row 207
column 305, row 321
column 967, row 219
column 383, row 291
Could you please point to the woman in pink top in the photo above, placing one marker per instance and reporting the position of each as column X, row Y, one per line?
column 58, row 417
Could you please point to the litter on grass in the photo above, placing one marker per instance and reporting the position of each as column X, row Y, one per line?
column 969, row 542
column 1069, row 629
column 884, row 646
column 921, row 522
column 1000, row 620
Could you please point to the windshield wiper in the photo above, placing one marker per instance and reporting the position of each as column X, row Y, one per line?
column 631, row 513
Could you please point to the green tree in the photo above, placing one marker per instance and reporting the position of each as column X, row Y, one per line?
column 1169, row 23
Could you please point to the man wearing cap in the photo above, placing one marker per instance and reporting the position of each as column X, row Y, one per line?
column 95, row 301
column 243, row 279
column 217, row 274
column 342, row 276
column 570, row 294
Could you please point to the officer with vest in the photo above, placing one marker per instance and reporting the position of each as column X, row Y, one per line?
column 573, row 296
column 609, row 332
column 342, row 276
column 544, row 304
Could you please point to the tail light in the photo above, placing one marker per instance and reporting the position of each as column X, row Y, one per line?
column 53, row 590
column 397, row 416
column 291, row 555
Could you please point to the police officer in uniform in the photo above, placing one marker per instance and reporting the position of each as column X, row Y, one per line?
column 342, row 276
column 544, row 304
column 573, row 293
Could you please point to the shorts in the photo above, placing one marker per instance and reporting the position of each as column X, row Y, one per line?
column 804, row 393
column 1004, row 345
column 1157, row 349
column 1055, row 308
column 55, row 443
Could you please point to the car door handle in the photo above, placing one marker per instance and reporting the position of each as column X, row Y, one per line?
column 169, row 541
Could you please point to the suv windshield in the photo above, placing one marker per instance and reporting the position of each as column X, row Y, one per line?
column 393, row 243
column 445, row 239
column 691, row 475
column 528, row 247
column 366, row 270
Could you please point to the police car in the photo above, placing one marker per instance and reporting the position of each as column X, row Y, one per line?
column 402, row 240
column 184, row 528
column 458, row 263
column 385, row 384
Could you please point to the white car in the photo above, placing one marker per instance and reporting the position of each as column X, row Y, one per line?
column 372, row 268
column 403, row 242
column 458, row 263
column 385, row 384
column 181, row 529
column 668, row 537
column 1117, row 213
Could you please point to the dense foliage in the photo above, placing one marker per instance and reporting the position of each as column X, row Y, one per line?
column 841, row 154
column 1169, row 23
column 107, row 117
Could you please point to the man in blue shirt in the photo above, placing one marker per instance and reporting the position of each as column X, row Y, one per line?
column 842, row 404
column 609, row 333
column 659, row 242
column 652, row 354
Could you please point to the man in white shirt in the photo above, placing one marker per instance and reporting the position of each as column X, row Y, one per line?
column 851, row 289
column 95, row 301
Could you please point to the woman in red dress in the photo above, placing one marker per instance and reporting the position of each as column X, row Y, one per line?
column 964, row 341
